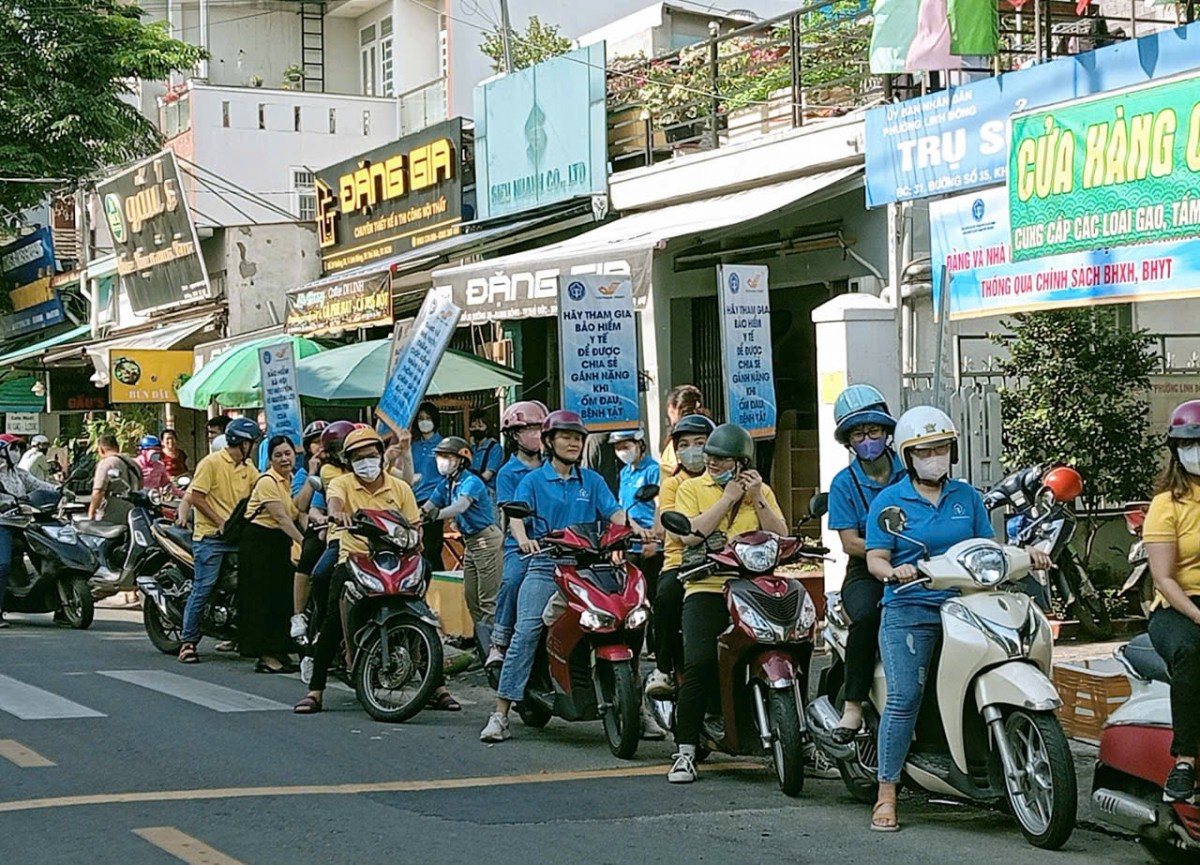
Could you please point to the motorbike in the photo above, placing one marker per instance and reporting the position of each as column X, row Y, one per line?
column 50, row 567
column 121, row 551
column 1040, row 520
column 1139, row 586
column 1135, row 759
column 987, row 731
column 585, row 667
column 763, row 657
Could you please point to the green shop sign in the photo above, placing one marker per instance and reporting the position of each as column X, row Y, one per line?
column 1107, row 171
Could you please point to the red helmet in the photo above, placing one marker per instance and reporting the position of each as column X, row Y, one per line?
column 1185, row 421
column 9, row 438
column 333, row 435
column 562, row 421
column 525, row 413
column 1064, row 482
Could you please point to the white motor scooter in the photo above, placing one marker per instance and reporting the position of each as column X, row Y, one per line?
column 987, row 729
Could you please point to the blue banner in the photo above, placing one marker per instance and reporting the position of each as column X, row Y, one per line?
column 32, row 319
column 958, row 139
column 745, row 301
column 27, row 259
column 416, row 360
column 598, row 339
column 281, row 398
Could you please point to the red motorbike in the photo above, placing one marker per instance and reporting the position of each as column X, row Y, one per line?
column 585, row 664
column 763, row 657
column 393, row 654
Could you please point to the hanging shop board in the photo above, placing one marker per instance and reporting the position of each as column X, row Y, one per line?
column 598, row 340
column 417, row 359
column 746, row 348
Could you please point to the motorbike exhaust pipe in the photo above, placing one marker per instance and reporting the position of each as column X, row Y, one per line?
column 1121, row 809
column 822, row 719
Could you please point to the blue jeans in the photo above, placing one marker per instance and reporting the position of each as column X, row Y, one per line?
column 6, row 546
column 208, row 555
column 908, row 637
column 506, row 599
column 536, row 591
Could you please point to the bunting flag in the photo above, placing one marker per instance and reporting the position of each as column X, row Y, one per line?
column 920, row 35
column 974, row 27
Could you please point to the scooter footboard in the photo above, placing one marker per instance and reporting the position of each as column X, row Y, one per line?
column 1016, row 684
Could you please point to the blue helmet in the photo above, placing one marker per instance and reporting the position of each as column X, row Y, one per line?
column 149, row 442
column 857, row 405
column 633, row 435
column 242, row 429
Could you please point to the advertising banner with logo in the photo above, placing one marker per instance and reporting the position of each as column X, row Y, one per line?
column 1107, row 171
column 957, row 139
column 27, row 267
column 362, row 301
column 417, row 359
column 27, row 259
column 746, row 348
column 970, row 235
column 158, row 253
column 597, row 337
column 146, row 374
column 395, row 198
column 541, row 134
column 72, row 389
column 281, row 398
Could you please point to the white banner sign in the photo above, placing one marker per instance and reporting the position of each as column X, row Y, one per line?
column 21, row 423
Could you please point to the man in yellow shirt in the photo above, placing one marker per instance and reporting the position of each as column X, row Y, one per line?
column 221, row 481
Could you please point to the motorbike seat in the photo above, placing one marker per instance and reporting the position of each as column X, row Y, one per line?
column 1145, row 661
column 179, row 534
column 108, row 531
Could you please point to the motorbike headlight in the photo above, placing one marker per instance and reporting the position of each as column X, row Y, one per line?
column 596, row 621
column 808, row 613
column 758, row 558
column 987, row 565
column 63, row 534
column 367, row 581
column 638, row 618
column 763, row 630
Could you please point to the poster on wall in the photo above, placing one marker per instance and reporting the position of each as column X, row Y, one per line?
column 147, row 375
column 598, row 342
column 416, row 361
column 746, row 348
column 344, row 304
column 281, row 398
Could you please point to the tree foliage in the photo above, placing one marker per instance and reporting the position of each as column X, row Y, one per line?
column 539, row 42
column 65, row 66
column 1081, row 398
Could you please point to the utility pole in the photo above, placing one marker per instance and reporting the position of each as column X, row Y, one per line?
column 506, row 37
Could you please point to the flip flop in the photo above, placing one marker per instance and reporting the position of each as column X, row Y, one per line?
column 444, row 702
column 307, row 706
column 187, row 654
column 877, row 821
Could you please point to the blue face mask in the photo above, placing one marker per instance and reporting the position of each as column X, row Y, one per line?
column 869, row 450
column 723, row 478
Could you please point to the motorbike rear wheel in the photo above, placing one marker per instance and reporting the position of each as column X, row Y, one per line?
column 163, row 633
column 75, row 601
column 1046, row 807
column 783, row 716
column 415, row 650
column 532, row 715
column 622, row 718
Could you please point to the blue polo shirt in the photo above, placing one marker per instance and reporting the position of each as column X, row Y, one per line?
column 582, row 497
column 425, row 464
column 851, row 494
column 487, row 456
column 633, row 478
column 481, row 513
column 959, row 515
column 507, row 480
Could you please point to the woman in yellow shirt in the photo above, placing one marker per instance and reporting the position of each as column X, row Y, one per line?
column 265, row 569
column 730, row 497
column 1172, row 536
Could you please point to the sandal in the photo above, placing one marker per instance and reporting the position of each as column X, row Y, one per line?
column 187, row 654
column 444, row 702
column 884, row 822
column 843, row 735
column 310, row 705
column 261, row 667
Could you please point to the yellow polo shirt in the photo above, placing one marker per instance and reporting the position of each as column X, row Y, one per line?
column 393, row 495
column 330, row 472
column 668, row 490
column 697, row 495
column 1177, row 522
column 224, row 484
column 271, row 487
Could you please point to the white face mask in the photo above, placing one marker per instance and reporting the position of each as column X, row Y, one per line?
column 425, row 426
column 692, row 459
column 446, row 466
column 933, row 468
column 1189, row 458
column 367, row 468
column 628, row 455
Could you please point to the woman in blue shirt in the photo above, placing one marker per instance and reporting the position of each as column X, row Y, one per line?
column 864, row 427
column 487, row 454
column 940, row 512
column 425, row 438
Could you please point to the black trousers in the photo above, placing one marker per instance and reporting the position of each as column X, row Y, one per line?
column 861, row 595
column 705, row 616
column 264, row 592
column 431, row 539
column 668, row 616
column 1177, row 639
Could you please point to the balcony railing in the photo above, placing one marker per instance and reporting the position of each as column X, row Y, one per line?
column 423, row 106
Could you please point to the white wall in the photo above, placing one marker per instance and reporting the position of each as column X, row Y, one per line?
column 262, row 263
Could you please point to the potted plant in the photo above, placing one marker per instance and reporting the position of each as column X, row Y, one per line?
column 293, row 76
column 256, row 81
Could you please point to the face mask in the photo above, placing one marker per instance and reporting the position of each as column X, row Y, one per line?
column 446, row 466
column 530, row 442
column 1189, row 458
column 933, row 468
column 692, row 459
column 367, row 468
column 627, row 455
column 478, row 434
column 425, row 426
column 869, row 450
column 156, row 457
column 723, row 478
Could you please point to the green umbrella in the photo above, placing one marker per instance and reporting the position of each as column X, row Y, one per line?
column 231, row 378
column 357, row 373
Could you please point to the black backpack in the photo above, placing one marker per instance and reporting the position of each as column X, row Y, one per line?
column 238, row 520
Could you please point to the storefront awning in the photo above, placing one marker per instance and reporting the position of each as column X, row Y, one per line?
column 40, row 348
column 166, row 337
column 16, row 395
column 525, row 284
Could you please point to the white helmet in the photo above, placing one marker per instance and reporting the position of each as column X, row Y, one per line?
column 922, row 426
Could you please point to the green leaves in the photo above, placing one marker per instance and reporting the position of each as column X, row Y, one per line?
column 540, row 42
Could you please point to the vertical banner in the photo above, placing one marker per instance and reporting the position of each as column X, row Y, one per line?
column 746, row 348
column 597, row 335
column 281, row 399
column 416, row 360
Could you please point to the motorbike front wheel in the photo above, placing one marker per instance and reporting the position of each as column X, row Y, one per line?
column 163, row 633
column 396, row 689
column 75, row 601
column 783, row 715
column 622, row 717
column 1046, row 804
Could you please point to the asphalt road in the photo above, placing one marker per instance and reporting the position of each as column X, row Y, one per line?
column 111, row 752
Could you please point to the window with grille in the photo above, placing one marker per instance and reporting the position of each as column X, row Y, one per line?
column 304, row 189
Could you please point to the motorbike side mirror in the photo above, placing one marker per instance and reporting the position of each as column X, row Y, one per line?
column 316, row 483
column 516, row 510
column 114, row 475
column 676, row 523
column 183, row 482
column 818, row 505
column 893, row 520
column 646, row 493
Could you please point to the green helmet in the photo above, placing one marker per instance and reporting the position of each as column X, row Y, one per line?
column 730, row 441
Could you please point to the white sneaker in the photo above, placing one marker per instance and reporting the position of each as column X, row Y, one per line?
column 306, row 669
column 496, row 729
column 659, row 686
column 683, row 770
column 818, row 765
column 495, row 657
column 651, row 731
column 299, row 626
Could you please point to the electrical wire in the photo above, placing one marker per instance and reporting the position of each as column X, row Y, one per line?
column 231, row 187
column 221, row 197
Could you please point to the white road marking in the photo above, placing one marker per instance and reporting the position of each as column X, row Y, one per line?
column 215, row 697
column 33, row 704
